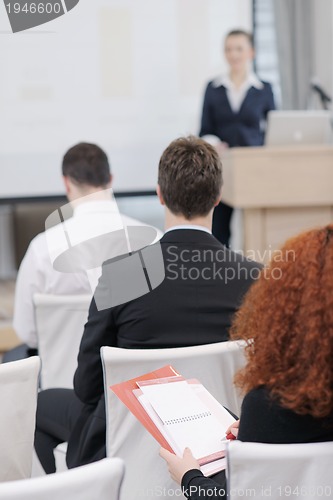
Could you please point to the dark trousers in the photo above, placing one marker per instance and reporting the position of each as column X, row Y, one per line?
column 57, row 414
column 20, row 352
column 221, row 223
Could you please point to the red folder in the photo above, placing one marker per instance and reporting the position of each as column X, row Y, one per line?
column 124, row 391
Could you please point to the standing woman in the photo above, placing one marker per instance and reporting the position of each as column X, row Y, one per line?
column 234, row 111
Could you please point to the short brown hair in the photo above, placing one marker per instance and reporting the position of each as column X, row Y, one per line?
column 87, row 164
column 240, row 32
column 190, row 177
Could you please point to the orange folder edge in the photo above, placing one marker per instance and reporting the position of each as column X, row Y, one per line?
column 124, row 391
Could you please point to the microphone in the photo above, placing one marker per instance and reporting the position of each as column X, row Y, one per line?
column 316, row 87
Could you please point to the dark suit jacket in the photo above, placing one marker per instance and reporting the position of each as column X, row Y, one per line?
column 203, row 287
column 237, row 129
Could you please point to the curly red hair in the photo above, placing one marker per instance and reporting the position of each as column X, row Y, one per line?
column 287, row 320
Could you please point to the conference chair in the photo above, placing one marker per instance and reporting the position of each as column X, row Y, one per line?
column 60, row 457
column 101, row 481
column 276, row 471
column 60, row 321
column 214, row 365
column 18, row 396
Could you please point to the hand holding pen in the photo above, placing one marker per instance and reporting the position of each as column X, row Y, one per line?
column 232, row 431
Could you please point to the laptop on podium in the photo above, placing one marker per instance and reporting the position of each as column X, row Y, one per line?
column 298, row 127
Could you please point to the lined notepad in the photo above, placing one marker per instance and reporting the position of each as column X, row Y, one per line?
column 179, row 413
column 188, row 416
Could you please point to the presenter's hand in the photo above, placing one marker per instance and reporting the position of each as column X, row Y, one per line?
column 221, row 146
column 233, row 429
column 179, row 466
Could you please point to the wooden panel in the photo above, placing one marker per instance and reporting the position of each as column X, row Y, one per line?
column 254, row 234
column 283, row 223
column 8, row 338
column 273, row 177
column 266, row 230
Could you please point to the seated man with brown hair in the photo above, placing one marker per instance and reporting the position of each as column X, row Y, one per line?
column 203, row 287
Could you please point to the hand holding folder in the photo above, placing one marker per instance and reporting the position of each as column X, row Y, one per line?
column 179, row 413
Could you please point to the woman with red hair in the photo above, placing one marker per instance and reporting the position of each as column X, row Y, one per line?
column 287, row 321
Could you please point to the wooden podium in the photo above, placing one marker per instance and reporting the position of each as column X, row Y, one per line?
column 282, row 191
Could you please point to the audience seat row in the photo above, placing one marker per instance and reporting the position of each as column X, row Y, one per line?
column 253, row 469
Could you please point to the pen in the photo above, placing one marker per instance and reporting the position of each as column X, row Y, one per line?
column 228, row 438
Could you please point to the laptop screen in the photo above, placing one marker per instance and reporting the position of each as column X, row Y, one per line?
column 298, row 127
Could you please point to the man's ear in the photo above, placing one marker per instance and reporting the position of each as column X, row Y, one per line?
column 218, row 199
column 159, row 194
column 67, row 184
column 110, row 181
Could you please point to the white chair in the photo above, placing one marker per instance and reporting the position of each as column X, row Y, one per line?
column 278, row 471
column 60, row 457
column 214, row 365
column 60, row 321
column 101, row 481
column 18, row 396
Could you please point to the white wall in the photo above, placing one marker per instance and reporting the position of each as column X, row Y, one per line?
column 128, row 74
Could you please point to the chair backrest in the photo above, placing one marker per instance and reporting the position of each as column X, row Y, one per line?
column 18, row 396
column 60, row 321
column 100, row 480
column 278, row 471
column 214, row 365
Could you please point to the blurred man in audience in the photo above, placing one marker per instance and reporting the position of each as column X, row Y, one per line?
column 203, row 287
column 86, row 172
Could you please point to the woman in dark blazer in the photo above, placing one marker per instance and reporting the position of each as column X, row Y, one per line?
column 287, row 321
column 234, row 111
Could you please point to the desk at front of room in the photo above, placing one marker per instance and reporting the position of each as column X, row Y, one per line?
column 281, row 191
